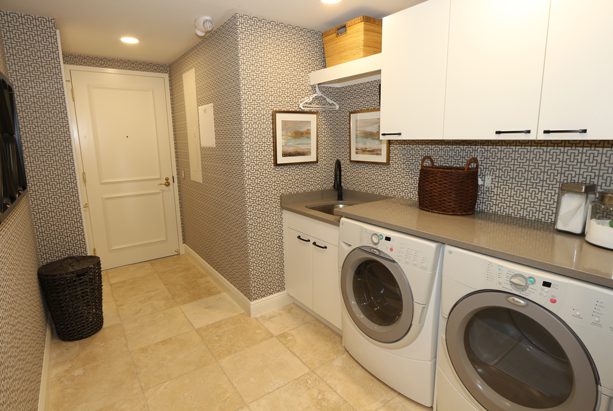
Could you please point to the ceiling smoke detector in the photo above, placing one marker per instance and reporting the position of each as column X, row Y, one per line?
column 203, row 25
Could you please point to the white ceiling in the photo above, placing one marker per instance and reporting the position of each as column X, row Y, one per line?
column 165, row 27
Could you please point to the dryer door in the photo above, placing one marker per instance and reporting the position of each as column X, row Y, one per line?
column 513, row 354
column 377, row 294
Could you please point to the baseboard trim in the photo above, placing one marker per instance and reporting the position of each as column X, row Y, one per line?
column 272, row 302
column 44, row 377
column 253, row 308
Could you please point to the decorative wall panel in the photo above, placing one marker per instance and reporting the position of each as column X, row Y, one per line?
column 33, row 63
column 22, row 317
column 120, row 64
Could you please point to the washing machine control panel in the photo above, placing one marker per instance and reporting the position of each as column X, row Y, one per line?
column 405, row 253
column 541, row 290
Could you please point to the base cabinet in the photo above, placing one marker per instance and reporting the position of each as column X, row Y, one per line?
column 311, row 265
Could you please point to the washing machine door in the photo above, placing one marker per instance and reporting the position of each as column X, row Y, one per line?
column 377, row 294
column 513, row 354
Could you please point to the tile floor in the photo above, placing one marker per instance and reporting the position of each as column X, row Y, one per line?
column 172, row 340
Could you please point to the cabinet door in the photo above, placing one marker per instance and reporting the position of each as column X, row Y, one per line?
column 414, row 58
column 495, row 68
column 326, row 282
column 578, row 82
column 297, row 257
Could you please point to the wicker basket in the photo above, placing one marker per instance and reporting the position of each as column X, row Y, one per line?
column 72, row 288
column 448, row 190
column 359, row 37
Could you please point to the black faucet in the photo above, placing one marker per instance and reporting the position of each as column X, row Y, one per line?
column 338, row 185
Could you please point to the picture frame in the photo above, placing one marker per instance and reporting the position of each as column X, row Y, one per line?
column 295, row 137
column 365, row 144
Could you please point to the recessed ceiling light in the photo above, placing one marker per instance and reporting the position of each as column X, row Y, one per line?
column 330, row 1
column 129, row 40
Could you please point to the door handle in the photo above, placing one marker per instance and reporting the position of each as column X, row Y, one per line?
column 166, row 182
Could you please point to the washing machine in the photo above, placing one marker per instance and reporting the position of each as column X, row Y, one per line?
column 390, row 286
column 516, row 338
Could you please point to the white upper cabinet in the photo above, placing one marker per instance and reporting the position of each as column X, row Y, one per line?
column 414, row 56
column 577, row 100
column 495, row 68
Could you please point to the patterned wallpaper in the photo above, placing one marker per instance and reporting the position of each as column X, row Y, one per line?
column 120, row 64
column 33, row 62
column 3, row 69
column 214, row 212
column 22, row 317
column 525, row 175
column 275, row 60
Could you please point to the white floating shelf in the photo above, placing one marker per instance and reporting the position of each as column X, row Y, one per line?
column 353, row 72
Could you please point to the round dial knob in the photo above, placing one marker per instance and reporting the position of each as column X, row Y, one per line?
column 374, row 238
column 519, row 282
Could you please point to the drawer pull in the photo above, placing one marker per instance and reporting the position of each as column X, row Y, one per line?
column 306, row 240
column 513, row 131
column 323, row 247
column 579, row 131
column 391, row 134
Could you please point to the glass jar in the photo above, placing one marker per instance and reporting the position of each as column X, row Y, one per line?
column 573, row 204
column 599, row 230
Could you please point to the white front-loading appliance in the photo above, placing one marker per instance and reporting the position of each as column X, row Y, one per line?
column 516, row 338
column 390, row 286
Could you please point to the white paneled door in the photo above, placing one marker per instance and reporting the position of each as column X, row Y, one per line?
column 125, row 140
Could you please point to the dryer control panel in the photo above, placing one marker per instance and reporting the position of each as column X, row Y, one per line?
column 543, row 291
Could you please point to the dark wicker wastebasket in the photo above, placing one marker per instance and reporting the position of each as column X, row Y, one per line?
column 72, row 288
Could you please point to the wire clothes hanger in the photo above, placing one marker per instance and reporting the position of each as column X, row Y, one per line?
column 310, row 103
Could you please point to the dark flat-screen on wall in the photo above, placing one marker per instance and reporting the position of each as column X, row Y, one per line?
column 12, row 172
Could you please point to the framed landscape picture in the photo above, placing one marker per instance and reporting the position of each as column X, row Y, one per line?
column 295, row 137
column 365, row 143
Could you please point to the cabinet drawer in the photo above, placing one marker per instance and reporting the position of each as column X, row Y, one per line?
column 323, row 231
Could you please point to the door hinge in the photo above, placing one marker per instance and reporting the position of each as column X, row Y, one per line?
column 84, row 178
column 95, row 251
column 173, row 179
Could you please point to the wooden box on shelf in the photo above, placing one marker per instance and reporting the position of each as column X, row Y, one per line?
column 356, row 38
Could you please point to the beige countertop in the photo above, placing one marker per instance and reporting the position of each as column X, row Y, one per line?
column 531, row 243
column 299, row 202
